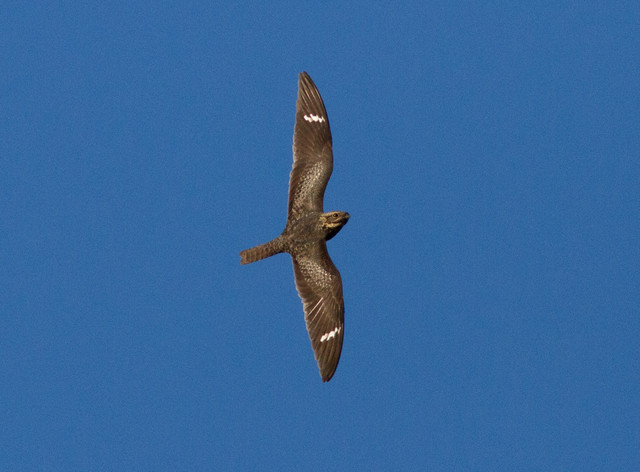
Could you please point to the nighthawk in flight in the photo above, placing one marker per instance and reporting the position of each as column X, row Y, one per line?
column 309, row 227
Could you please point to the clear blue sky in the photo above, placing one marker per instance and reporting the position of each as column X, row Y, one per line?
column 489, row 155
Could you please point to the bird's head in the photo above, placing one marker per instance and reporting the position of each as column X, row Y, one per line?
column 333, row 221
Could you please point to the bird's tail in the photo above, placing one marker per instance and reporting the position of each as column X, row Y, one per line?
column 263, row 251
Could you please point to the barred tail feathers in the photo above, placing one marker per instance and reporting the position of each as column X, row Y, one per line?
column 263, row 251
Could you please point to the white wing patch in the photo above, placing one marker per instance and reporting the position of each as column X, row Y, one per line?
column 311, row 118
column 330, row 334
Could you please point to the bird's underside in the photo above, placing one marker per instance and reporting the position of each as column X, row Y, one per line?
column 308, row 228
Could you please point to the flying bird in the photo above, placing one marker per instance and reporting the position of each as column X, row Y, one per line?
column 308, row 228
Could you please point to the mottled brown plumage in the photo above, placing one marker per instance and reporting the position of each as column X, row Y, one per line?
column 308, row 228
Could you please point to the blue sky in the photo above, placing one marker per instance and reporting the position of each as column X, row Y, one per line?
column 489, row 156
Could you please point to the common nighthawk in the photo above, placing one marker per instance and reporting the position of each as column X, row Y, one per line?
column 308, row 228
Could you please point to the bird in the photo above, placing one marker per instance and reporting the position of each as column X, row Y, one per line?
column 308, row 227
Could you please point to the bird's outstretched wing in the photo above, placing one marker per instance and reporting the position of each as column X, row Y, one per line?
column 320, row 288
column 312, row 151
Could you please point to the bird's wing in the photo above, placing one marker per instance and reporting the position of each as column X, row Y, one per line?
column 312, row 151
column 320, row 288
